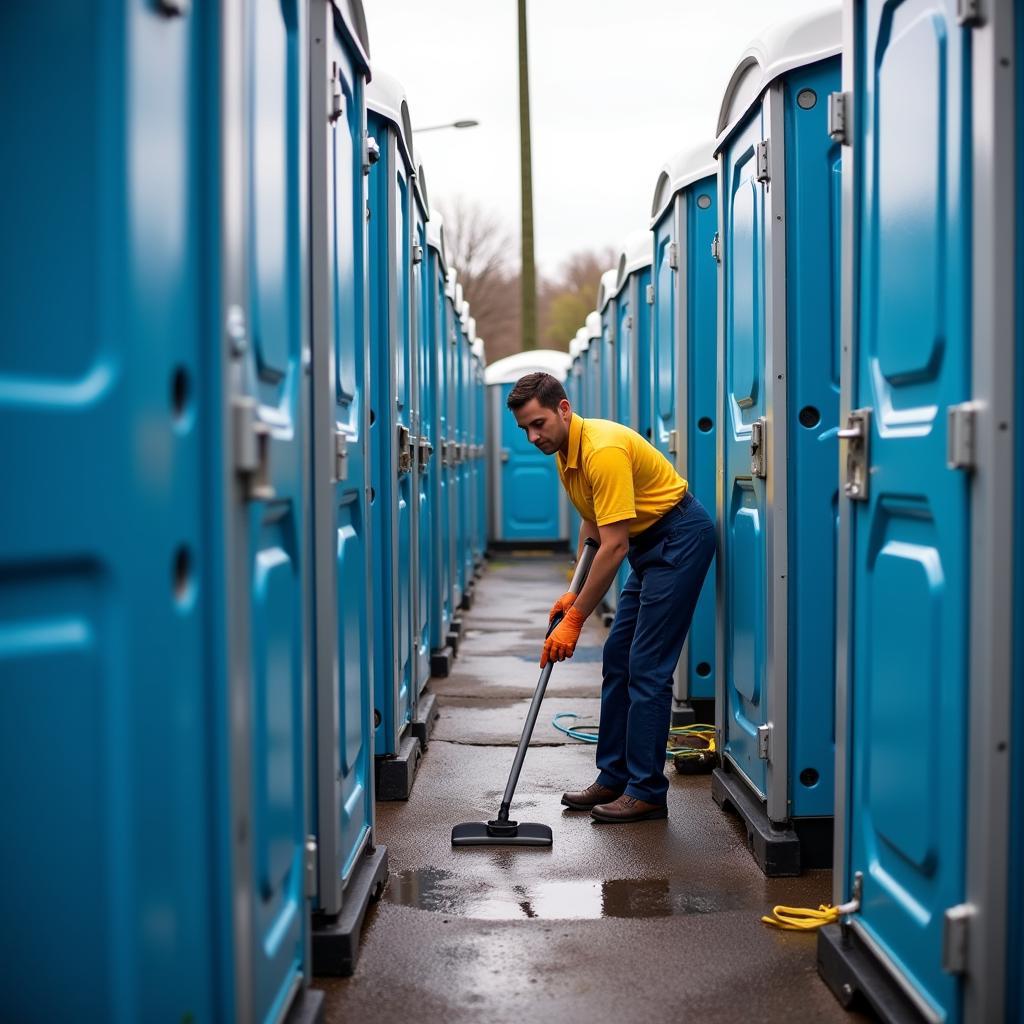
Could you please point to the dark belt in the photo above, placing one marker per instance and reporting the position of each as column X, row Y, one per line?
column 646, row 539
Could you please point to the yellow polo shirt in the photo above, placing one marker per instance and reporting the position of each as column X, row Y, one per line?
column 611, row 473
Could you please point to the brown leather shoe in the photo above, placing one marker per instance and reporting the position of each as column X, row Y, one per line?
column 588, row 798
column 627, row 808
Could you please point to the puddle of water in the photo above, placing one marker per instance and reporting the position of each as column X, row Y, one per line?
column 444, row 892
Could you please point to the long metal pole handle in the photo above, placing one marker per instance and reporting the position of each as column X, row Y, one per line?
column 579, row 577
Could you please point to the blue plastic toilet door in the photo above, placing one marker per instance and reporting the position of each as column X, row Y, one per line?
column 528, row 500
column 405, row 471
column 276, row 520
column 343, row 703
column 908, row 559
column 442, row 517
column 424, row 461
column 663, row 338
column 742, row 505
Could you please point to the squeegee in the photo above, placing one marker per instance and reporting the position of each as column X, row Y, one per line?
column 501, row 831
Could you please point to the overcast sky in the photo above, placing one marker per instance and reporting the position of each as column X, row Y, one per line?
column 616, row 87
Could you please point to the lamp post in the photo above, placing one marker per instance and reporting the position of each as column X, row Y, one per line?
column 468, row 123
column 529, row 271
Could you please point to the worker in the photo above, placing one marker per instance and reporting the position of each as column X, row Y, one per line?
column 636, row 506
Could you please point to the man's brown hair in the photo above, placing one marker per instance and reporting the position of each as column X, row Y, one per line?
column 542, row 386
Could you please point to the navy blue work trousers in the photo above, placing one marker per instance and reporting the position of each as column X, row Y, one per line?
column 669, row 561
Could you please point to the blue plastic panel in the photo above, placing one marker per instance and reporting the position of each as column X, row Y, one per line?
column 423, row 482
column 663, row 338
column 529, row 483
column 110, row 684
column 909, row 557
column 276, row 161
column 441, row 615
column 700, row 459
column 349, row 774
column 812, row 336
column 391, row 485
column 743, row 511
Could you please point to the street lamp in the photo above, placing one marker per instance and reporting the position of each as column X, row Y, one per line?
column 452, row 124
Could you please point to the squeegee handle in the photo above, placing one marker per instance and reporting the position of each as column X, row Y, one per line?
column 579, row 577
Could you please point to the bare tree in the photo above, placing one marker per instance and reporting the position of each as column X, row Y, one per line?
column 566, row 300
column 479, row 247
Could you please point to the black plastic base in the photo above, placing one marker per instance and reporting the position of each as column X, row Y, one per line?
column 426, row 715
column 456, row 625
column 683, row 714
column 452, row 643
column 779, row 852
column 441, row 662
column 336, row 938
column 484, row 833
column 858, row 980
column 467, row 598
column 395, row 774
column 308, row 1008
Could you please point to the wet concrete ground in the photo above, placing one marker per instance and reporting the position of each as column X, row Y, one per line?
column 614, row 923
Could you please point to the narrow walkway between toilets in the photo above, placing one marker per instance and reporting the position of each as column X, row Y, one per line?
column 663, row 915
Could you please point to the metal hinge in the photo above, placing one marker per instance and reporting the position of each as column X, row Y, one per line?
column 956, row 928
column 716, row 249
column 404, row 449
column 426, row 450
column 968, row 13
column 764, row 742
column 673, row 256
column 627, row 322
column 340, row 457
column 673, row 442
column 961, row 423
column 761, row 162
column 337, row 106
column 650, row 295
column 371, row 153
column 758, row 455
column 857, row 434
column 309, row 865
column 417, row 253
column 838, row 111
column 252, row 448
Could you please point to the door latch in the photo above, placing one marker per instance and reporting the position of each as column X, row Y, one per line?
column 857, row 434
column 673, row 442
column 426, row 450
column 838, row 117
column 758, row 455
column 761, row 156
column 252, row 449
column 340, row 457
column 371, row 153
column 764, row 742
column 960, row 435
column 310, row 866
column 404, row 450
column 716, row 248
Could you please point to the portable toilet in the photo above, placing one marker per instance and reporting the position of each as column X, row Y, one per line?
column 153, row 637
column 472, row 504
column 422, row 388
column 590, row 396
column 574, row 388
column 605, row 351
column 465, row 507
column 479, row 452
column 453, row 294
column 630, row 321
column 528, row 503
column 677, row 410
column 929, row 624
column 441, row 591
column 394, row 488
column 778, row 373
column 633, row 296
column 342, row 539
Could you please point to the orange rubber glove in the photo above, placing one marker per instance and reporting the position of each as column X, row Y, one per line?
column 562, row 605
column 561, row 644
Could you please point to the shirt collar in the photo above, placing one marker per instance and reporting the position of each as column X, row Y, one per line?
column 575, row 442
